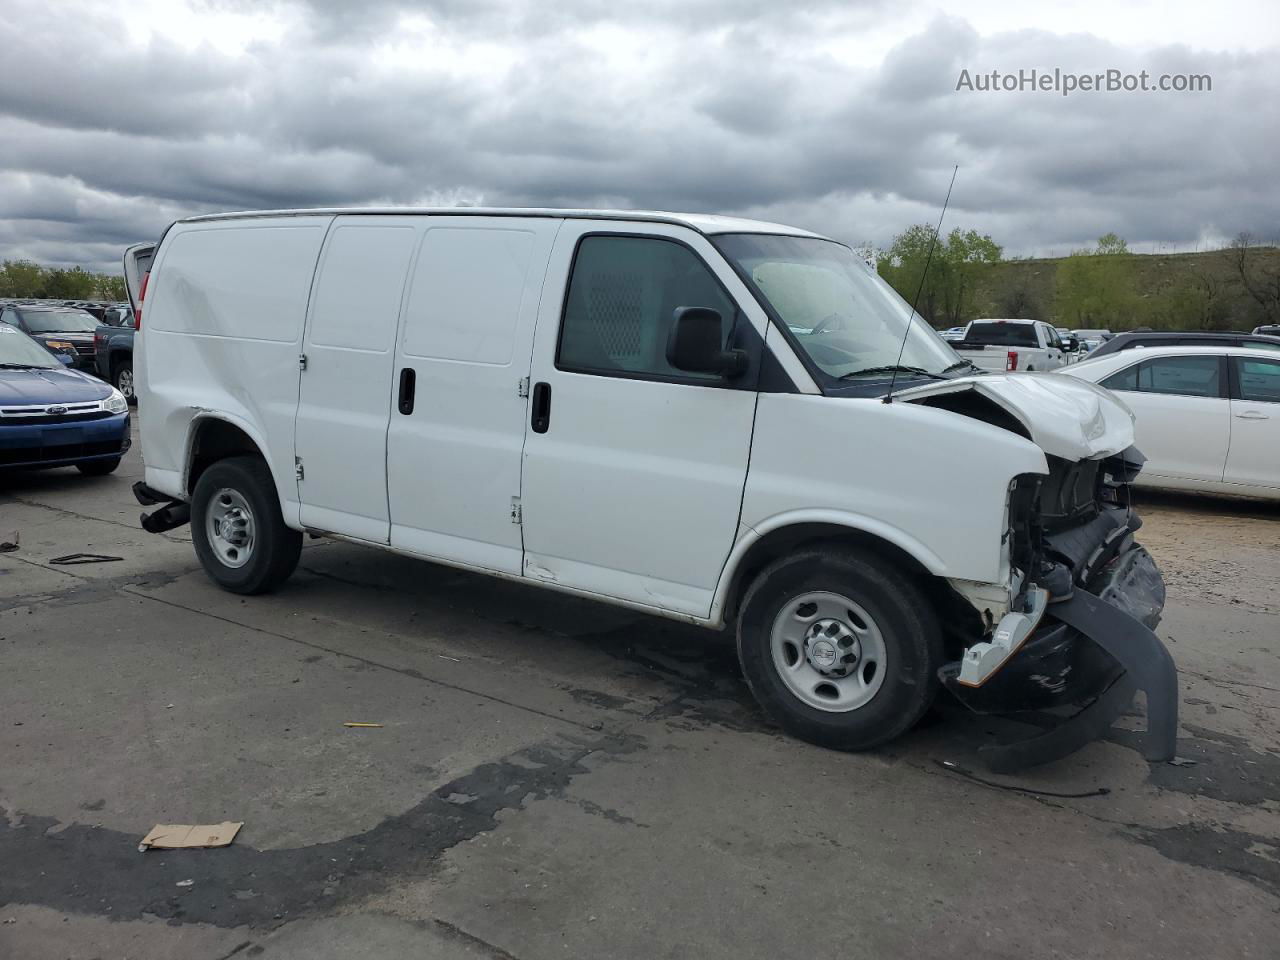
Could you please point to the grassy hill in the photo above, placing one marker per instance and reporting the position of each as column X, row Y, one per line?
column 1123, row 291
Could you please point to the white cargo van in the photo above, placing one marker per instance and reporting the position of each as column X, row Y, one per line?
column 687, row 415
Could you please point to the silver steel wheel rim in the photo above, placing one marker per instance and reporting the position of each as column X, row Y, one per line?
column 828, row 651
column 229, row 525
column 125, row 384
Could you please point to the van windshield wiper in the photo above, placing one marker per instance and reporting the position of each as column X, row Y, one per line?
column 893, row 368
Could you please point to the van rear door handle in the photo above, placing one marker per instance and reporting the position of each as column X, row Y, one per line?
column 408, row 381
column 540, row 419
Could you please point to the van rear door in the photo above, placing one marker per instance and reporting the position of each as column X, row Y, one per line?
column 344, row 396
column 137, row 264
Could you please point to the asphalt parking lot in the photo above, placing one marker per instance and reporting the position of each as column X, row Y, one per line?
column 555, row 778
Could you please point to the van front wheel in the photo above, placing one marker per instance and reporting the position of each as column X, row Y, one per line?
column 839, row 647
column 239, row 534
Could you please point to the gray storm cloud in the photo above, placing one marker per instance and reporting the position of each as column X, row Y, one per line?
column 727, row 107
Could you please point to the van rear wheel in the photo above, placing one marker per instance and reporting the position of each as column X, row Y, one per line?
column 839, row 647
column 238, row 531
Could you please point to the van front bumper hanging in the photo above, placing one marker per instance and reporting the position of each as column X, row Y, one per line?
column 1090, row 650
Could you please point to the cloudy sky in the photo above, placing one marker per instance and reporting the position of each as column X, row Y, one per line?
column 838, row 115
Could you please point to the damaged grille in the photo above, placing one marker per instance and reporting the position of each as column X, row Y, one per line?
column 1069, row 495
column 1078, row 503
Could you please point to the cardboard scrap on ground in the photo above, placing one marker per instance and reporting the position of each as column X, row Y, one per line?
column 176, row 836
column 353, row 723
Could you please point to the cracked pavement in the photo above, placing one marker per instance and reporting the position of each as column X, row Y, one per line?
column 556, row 778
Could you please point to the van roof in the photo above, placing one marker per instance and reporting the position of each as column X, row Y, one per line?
column 702, row 222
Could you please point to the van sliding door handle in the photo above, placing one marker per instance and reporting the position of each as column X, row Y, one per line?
column 408, row 381
column 541, row 417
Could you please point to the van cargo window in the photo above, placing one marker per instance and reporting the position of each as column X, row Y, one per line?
column 622, row 297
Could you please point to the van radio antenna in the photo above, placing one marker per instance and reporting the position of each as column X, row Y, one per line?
column 933, row 242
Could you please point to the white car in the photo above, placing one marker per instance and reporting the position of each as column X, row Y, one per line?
column 1012, row 345
column 1207, row 418
column 715, row 420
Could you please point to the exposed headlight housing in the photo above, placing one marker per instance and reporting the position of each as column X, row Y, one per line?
column 116, row 403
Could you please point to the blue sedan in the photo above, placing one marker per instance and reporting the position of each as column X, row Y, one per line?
column 52, row 416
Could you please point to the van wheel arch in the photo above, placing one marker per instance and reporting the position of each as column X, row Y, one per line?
column 785, row 540
column 215, row 440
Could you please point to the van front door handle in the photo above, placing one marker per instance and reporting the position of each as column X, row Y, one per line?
column 541, row 417
column 408, row 383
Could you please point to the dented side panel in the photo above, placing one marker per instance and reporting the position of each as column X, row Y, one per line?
column 221, row 334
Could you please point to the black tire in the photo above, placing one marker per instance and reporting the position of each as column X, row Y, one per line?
column 98, row 468
column 274, row 554
column 122, row 370
column 906, row 620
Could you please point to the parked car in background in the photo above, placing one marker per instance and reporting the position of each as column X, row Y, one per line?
column 680, row 414
column 1071, row 342
column 951, row 334
column 1270, row 329
column 1090, row 340
column 118, row 315
column 1145, row 339
column 58, row 328
column 53, row 416
column 113, row 354
column 95, row 308
column 1021, row 345
column 1208, row 416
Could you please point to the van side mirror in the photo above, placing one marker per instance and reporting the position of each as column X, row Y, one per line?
column 693, row 345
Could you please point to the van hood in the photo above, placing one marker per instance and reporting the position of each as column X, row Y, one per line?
column 1066, row 417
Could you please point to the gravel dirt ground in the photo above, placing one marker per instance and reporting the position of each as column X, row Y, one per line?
column 555, row 778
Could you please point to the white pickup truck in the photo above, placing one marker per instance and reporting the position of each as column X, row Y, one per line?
column 1001, row 345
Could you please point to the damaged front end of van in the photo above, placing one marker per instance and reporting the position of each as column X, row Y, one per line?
column 1071, row 639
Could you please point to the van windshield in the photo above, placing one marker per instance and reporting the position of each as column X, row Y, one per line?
column 840, row 312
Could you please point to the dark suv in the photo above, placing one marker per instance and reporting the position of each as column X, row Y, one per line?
column 1184, row 338
column 57, row 328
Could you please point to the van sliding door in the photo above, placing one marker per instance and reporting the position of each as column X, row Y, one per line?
column 459, row 405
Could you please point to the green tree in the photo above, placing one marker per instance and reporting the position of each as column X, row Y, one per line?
column 20, row 278
column 1095, row 288
column 1260, row 281
column 111, row 287
column 966, row 255
column 1110, row 243
column 947, row 288
column 73, row 284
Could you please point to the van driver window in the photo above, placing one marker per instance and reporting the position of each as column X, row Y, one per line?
column 622, row 297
